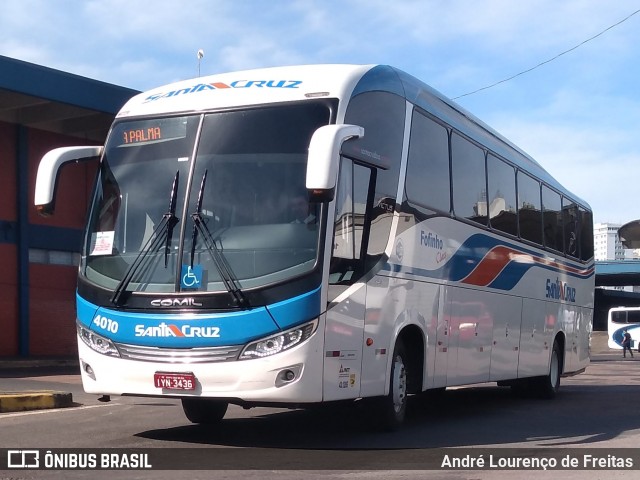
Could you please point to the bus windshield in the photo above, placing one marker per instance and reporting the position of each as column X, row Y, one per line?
column 210, row 202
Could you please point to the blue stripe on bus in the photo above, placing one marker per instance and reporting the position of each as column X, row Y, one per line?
column 191, row 330
column 291, row 312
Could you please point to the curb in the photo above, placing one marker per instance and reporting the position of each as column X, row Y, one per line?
column 19, row 402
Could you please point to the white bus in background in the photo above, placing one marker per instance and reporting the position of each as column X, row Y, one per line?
column 620, row 319
column 308, row 234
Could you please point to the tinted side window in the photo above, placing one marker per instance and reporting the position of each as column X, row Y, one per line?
column 529, row 211
column 427, row 182
column 502, row 195
column 586, row 234
column 619, row 316
column 469, row 187
column 552, row 219
column 382, row 116
column 570, row 222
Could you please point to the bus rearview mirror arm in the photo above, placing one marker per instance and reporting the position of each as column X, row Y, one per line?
column 324, row 156
column 48, row 173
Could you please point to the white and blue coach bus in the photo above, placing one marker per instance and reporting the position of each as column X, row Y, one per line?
column 308, row 234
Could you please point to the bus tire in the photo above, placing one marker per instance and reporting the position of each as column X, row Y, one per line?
column 204, row 410
column 393, row 406
column 548, row 385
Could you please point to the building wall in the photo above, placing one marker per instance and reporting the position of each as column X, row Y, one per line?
column 52, row 310
column 8, row 298
column 8, row 195
column 39, row 256
column 8, row 236
column 52, row 284
column 47, row 289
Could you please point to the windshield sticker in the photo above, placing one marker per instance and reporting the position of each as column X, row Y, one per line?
column 191, row 277
column 102, row 243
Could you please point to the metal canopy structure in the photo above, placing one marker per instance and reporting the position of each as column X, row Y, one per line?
column 39, row 97
column 629, row 234
column 621, row 273
column 618, row 274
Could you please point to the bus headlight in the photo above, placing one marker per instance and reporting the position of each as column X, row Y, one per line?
column 97, row 342
column 280, row 342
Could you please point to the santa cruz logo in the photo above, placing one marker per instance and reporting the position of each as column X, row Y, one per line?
column 201, row 87
column 560, row 290
column 186, row 331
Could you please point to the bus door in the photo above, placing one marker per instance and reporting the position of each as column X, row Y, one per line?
column 538, row 319
column 472, row 334
column 443, row 334
column 506, row 312
column 347, row 292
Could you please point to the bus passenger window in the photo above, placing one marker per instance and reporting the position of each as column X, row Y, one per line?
column 570, row 223
column 552, row 219
column 502, row 195
column 427, row 180
column 586, row 234
column 529, row 211
column 469, row 181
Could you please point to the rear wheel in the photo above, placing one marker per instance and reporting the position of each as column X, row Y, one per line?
column 548, row 385
column 204, row 410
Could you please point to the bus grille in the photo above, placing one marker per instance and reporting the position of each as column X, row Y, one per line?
column 178, row 355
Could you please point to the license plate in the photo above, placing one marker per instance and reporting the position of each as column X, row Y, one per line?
column 174, row 381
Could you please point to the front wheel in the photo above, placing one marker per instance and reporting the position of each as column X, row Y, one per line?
column 392, row 407
column 204, row 410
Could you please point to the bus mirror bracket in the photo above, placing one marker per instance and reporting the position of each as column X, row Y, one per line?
column 48, row 173
column 324, row 159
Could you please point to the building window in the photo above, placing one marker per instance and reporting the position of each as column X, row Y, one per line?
column 54, row 257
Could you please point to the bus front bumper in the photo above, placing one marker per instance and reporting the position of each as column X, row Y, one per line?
column 291, row 376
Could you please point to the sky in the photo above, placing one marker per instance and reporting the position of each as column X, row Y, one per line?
column 577, row 113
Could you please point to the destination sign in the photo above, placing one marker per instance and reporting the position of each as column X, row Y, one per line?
column 139, row 135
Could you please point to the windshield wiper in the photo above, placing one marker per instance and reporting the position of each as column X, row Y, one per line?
column 194, row 235
column 166, row 225
column 226, row 273
column 172, row 219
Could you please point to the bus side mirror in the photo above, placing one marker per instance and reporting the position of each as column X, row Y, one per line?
column 48, row 173
column 324, row 159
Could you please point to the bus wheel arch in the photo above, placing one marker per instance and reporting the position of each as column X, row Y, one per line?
column 413, row 341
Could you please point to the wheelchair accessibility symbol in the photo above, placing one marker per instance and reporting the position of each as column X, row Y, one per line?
column 191, row 277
